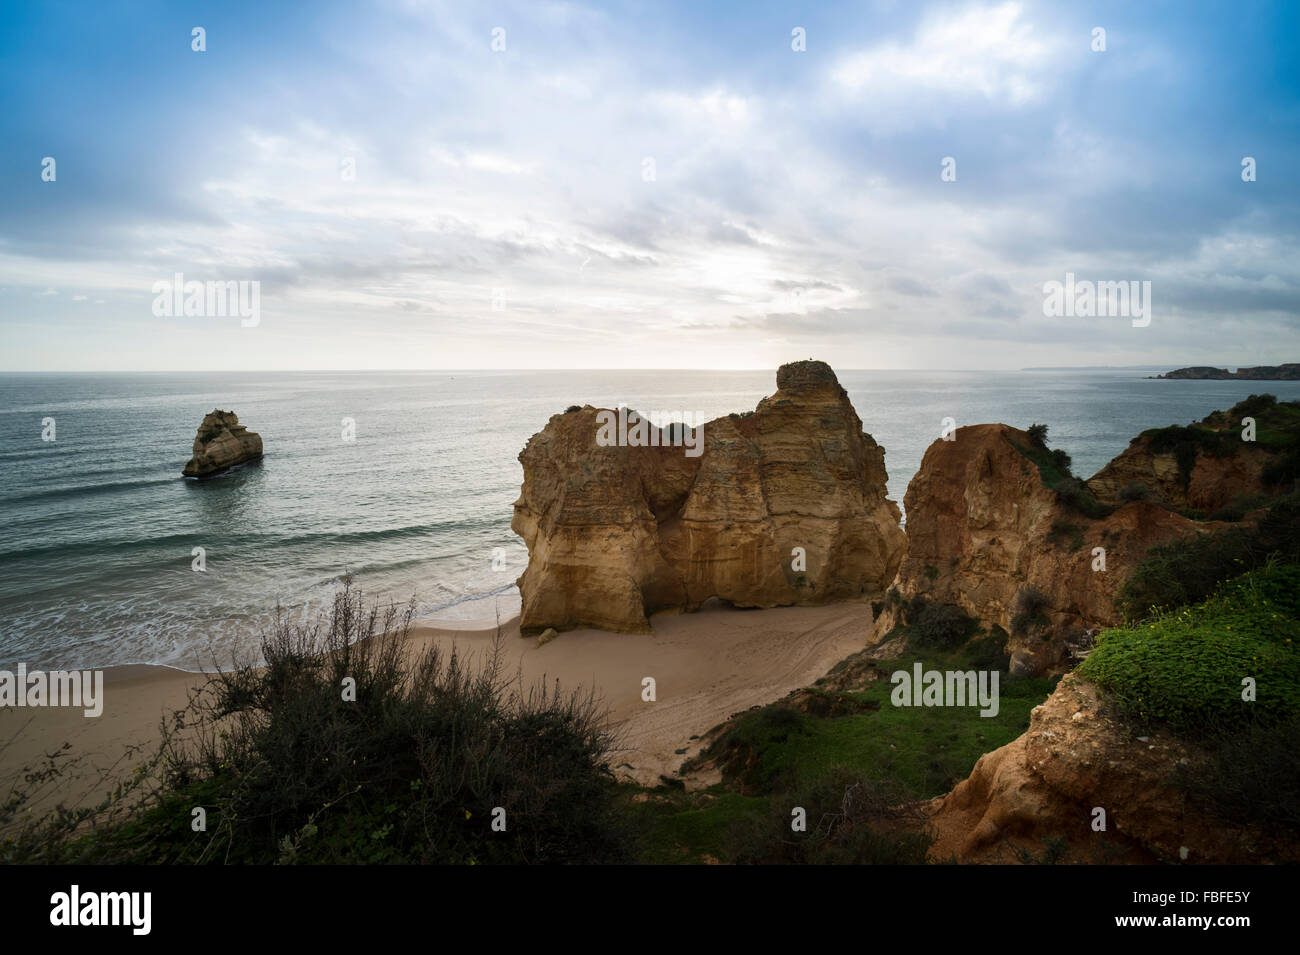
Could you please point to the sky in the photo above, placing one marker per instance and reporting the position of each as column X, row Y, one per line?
column 647, row 185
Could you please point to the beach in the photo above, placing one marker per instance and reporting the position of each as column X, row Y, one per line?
column 706, row 666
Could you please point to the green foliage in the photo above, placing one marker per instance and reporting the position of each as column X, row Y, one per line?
column 1134, row 491
column 1062, row 531
column 851, row 819
column 1251, row 774
column 1031, row 604
column 409, row 771
column 938, row 626
column 1187, row 570
column 1054, row 471
column 1185, row 443
column 1037, row 433
column 1186, row 666
column 988, row 653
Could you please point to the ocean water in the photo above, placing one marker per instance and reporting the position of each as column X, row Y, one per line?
column 97, row 528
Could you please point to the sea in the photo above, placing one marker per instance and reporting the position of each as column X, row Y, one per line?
column 403, row 480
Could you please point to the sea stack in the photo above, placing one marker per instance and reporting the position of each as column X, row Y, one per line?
column 781, row 506
column 222, row 443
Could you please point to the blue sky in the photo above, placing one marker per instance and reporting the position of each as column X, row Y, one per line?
column 501, row 213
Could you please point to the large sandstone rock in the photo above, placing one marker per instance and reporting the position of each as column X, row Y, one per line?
column 616, row 533
column 1079, row 755
column 221, row 443
column 983, row 529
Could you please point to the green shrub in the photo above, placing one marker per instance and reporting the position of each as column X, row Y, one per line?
column 1062, row 530
column 1251, row 774
column 939, row 626
column 1054, row 471
column 1188, row 570
column 1133, row 491
column 1037, row 433
column 988, row 653
column 1030, row 606
column 410, row 771
column 1185, row 443
column 851, row 819
column 1186, row 666
column 572, row 408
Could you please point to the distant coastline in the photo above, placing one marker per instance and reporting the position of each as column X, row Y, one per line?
column 1287, row 372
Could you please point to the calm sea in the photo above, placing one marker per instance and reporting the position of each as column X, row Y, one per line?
column 97, row 528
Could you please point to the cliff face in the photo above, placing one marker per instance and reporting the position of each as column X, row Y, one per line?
column 983, row 531
column 617, row 532
column 221, row 443
column 1075, row 757
column 1206, row 466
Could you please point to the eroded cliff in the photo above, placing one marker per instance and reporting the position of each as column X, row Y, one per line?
column 783, row 506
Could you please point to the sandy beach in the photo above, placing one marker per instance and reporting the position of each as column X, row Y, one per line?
column 706, row 666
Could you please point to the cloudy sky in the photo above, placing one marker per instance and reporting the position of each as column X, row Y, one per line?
column 647, row 185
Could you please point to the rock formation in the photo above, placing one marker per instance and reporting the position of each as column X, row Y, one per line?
column 1206, row 466
column 785, row 505
column 1076, row 755
column 221, row 443
column 985, row 533
column 1287, row 372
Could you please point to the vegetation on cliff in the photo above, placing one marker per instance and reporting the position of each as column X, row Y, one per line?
column 408, row 763
column 1186, row 667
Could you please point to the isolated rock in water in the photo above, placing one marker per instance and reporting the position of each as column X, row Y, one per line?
column 222, row 442
column 783, row 506
column 987, row 535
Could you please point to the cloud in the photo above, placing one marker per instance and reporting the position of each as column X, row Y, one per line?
column 988, row 52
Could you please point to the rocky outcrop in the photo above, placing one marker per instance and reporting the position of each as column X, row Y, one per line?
column 1287, row 372
column 1077, row 756
column 985, row 533
column 221, row 443
column 1206, row 466
column 784, row 506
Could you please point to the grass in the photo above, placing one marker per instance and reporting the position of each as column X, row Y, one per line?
column 779, row 756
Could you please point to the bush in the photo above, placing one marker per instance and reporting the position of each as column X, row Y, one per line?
column 851, row 820
column 1030, row 606
column 1075, row 494
column 936, row 626
column 1251, row 775
column 1133, row 491
column 1037, row 433
column 572, row 408
column 989, row 653
column 1188, row 570
column 1054, row 472
column 1185, row 443
column 1186, row 666
column 410, row 771
column 1061, row 530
